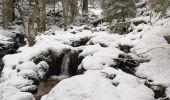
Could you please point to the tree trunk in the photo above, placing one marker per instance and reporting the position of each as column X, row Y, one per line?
column 150, row 17
column 44, row 15
column 37, row 19
column 85, row 7
column 30, row 30
column 74, row 7
column 8, row 13
column 64, row 5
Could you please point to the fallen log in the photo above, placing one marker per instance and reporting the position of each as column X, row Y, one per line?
column 97, row 21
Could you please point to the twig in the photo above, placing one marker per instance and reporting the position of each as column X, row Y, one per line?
column 152, row 49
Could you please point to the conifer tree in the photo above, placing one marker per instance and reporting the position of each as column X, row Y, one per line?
column 119, row 9
column 160, row 6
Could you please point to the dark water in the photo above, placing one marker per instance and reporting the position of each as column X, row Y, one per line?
column 44, row 88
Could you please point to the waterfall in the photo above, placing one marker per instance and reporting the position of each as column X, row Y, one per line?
column 65, row 65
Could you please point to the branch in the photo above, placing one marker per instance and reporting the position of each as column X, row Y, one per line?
column 152, row 49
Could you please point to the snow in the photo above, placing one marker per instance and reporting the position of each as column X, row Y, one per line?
column 22, row 96
column 129, row 85
column 158, row 68
column 89, row 87
column 101, row 59
column 43, row 68
column 89, row 50
column 20, row 72
column 98, row 59
column 94, row 86
column 11, row 93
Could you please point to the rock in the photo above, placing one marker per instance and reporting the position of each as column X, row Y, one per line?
column 136, row 23
column 43, row 69
column 125, row 48
column 159, row 90
column 80, row 42
column 11, row 47
column 139, row 30
column 83, row 87
column 121, row 28
column 87, row 27
column 30, row 74
column 1, row 65
column 56, row 60
column 53, row 59
column 110, row 76
column 167, row 38
column 22, row 96
column 30, row 88
column 19, row 40
column 126, row 63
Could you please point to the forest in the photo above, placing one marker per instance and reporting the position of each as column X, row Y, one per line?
column 84, row 49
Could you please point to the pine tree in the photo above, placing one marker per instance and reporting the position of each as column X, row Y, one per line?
column 119, row 9
column 160, row 6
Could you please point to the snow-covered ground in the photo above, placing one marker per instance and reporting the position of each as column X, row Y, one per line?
column 99, row 49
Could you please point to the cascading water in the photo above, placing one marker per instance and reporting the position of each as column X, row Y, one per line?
column 65, row 66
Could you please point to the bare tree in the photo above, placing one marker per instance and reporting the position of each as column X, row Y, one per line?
column 85, row 7
column 65, row 16
column 43, row 15
column 30, row 30
column 7, row 13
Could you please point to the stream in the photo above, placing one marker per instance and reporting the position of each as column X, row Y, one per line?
column 44, row 88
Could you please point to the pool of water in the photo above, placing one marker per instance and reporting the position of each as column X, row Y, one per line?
column 44, row 88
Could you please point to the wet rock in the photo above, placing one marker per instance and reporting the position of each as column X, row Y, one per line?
column 53, row 59
column 125, row 48
column 74, row 62
column 167, row 38
column 11, row 47
column 57, row 60
column 126, row 63
column 30, row 88
column 1, row 65
column 81, row 70
column 43, row 69
column 19, row 40
column 87, row 27
column 91, row 42
column 139, row 30
column 136, row 23
column 159, row 90
column 121, row 28
column 30, row 74
column 80, row 42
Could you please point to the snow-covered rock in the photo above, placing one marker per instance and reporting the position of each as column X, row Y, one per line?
column 99, row 60
column 22, row 96
column 83, row 87
column 11, row 93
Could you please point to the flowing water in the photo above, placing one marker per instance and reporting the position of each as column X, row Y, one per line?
column 65, row 65
column 44, row 88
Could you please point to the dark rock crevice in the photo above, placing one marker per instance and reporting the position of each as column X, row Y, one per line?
column 80, row 42
column 159, row 90
column 125, row 48
column 128, row 65
column 11, row 48
column 57, row 60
